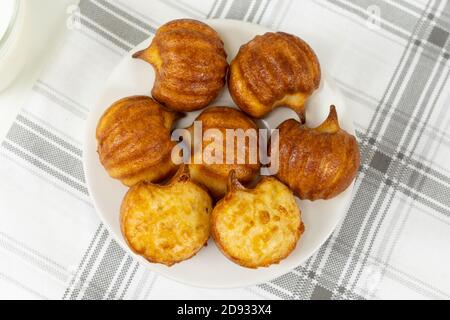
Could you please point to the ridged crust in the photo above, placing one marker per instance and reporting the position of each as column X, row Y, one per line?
column 272, row 70
column 166, row 224
column 317, row 163
column 190, row 64
column 215, row 176
column 257, row 227
column 133, row 138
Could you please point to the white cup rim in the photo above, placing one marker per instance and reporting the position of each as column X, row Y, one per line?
column 6, row 38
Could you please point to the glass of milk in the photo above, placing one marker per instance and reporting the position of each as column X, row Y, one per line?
column 13, row 48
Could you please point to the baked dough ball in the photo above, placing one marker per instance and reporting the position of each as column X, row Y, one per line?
column 244, row 161
column 190, row 64
column 272, row 70
column 317, row 163
column 166, row 223
column 257, row 227
column 133, row 138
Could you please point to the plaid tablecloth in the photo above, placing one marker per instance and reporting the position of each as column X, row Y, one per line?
column 391, row 60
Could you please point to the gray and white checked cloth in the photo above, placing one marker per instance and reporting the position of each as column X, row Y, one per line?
column 390, row 59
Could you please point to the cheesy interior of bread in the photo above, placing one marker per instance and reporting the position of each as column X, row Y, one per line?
column 166, row 224
column 257, row 227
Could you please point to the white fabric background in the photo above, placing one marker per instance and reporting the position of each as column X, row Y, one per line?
column 394, row 240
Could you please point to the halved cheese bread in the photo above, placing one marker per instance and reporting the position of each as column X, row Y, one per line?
column 167, row 223
column 257, row 227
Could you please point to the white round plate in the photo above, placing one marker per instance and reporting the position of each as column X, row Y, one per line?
column 209, row 268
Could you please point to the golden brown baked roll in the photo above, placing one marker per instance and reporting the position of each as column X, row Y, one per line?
column 133, row 138
column 272, row 70
column 190, row 64
column 215, row 176
column 317, row 163
column 166, row 223
column 257, row 227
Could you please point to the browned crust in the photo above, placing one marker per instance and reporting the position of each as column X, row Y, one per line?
column 133, row 140
column 193, row 64
column 317, row 163
column 270, row 67
column 215, row 177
